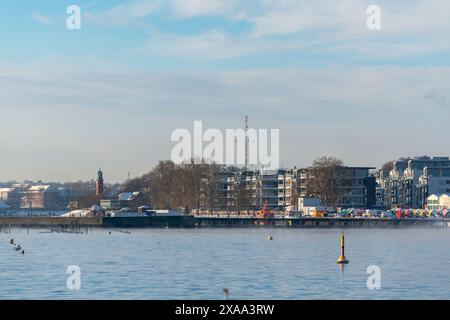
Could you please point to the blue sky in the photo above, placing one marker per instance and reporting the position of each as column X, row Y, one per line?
column 218, row 34
column 111, row 93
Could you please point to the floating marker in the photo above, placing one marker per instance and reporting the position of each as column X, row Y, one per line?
column 270, row 237
column 342, row 259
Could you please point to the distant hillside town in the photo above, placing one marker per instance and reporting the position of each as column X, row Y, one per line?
column 410, row 183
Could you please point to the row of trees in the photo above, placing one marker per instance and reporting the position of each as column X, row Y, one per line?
column 187, row 186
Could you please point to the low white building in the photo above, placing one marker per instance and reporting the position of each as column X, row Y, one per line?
column 304, row 202
column 438, row 202
column 310, row 206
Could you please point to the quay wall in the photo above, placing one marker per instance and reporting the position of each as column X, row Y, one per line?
column 149, row 222
column 319, row 222
column 22, row 221
column 215, row 222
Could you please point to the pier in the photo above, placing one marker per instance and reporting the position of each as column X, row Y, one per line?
column 218, row 222
column 22, row 221
column 150, row 222
column 318, row 222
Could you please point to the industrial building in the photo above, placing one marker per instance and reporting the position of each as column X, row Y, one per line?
column 355, row 186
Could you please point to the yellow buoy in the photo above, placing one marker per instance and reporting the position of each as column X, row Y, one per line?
column 342, row 259
column 270, row 238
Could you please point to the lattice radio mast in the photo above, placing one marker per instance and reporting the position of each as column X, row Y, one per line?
column 246, row 142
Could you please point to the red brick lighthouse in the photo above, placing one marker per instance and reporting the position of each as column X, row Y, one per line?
column 99, row 183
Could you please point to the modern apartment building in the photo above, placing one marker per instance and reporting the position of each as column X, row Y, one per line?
column 252, row 189
column 249, row 190
column 355, row 186
column 280, row 189
column 288, row 188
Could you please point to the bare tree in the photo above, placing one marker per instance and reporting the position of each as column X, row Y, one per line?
column 327, row 162
column 323, row 180
column 135, row 184
column 162, row 184
column 191, row 177
column 387, row 167
column 187, row 186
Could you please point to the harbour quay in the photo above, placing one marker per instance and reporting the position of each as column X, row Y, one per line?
column 319, row 222
column 41, row 221
column 189, row 221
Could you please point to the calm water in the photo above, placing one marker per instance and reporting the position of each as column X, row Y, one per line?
column 199, row 263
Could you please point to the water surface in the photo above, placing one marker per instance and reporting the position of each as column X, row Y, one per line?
column 199, row 263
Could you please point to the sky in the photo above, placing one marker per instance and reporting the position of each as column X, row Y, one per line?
column 110, row 94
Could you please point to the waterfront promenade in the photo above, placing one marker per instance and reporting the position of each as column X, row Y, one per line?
column 320, row 222
column 217, row 222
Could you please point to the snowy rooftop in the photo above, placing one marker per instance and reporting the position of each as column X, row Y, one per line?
column 128, row 196
column 39, row 188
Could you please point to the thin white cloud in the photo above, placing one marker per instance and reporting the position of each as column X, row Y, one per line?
column 212, row 45
column 124, row 14
column 327, row 26
column 281, row 17
column 41, row 18
column 348, row 16
column 193, row 8
column 383, row 106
